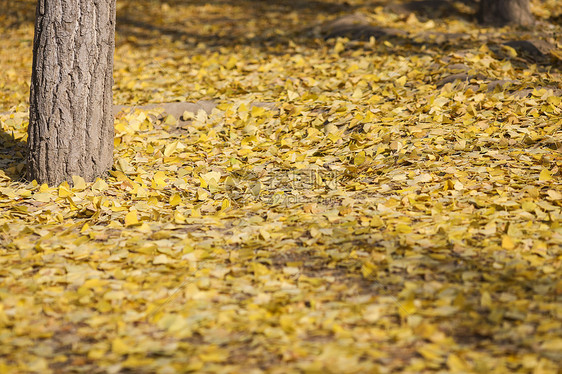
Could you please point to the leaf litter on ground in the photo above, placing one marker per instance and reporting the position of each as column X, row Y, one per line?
column 386, row 211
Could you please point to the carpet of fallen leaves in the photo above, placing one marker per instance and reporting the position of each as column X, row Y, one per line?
column 387, row 199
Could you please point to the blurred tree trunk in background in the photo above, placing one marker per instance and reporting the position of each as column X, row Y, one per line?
column 502, row 12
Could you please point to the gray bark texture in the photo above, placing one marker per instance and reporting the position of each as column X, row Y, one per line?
column 502, row 12
column 70, row 118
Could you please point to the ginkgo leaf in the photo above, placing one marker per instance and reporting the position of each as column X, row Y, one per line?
column 179, row 218
column 99, row 185
column 159, row 180
column 201, row 194
column 554, row 195
column 44, row 197
column 64, row 190
column 131, row 218
column 120, row 347
column 552, row 345
column 173, row 147
column 292, row 95
column 161, row 259
column 125, row 167
column 545, row 176
column 78, row 183
column 211, row 177
column 175, row 199
column 507, row 242
column 257, row 111
column 359, row 158
column 455, row 363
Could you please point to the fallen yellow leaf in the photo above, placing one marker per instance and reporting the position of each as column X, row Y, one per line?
column 507, row 242
column 545, row 176
column 131, row 218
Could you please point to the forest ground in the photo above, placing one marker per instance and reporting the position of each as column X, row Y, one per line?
column 380, row 193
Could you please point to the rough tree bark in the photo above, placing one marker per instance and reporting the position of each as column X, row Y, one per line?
column 70, row 120
column 502, row 12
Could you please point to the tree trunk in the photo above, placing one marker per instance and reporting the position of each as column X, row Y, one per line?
column 70, row 116
column 502, row 12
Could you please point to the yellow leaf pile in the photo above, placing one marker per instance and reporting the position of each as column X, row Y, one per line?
column 386, row 203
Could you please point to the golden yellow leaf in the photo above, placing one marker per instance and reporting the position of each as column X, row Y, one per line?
column 359, row 158
column 64, row 190
column 403, row 228
column 170, row 120
column 401, row 81
column 368, row 269
column 124, row 166
column 292, row 95
column 431, row 352
column 507, row 242
column 509, row 50
column 545, row 176
column 159, row 180
column 528, row 206
column 486, row 300
column 259, row 269
column 458, row 186
column 231, row 63
column 213, row 356
column 554, row 195
column 38, row 365
column 120, row 347
column 554, row 344
column 175, row 199
column 339, row 47
column 85, row 227
column 225, row 204
column 210, row 177
column 179, row 218
column 94, row 283
column 173, row 322
column 99, row 185
column 25, row 193
column 44, row 188
column 173, row 147
column 43, row 197
column 201, row 194
column 131, row 218
column 161, row 259
column 406, row 307
column 456, row 364
column 257, row 111
column 96, row 353
column 195, row 213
